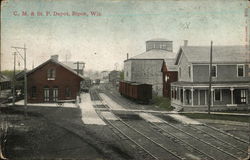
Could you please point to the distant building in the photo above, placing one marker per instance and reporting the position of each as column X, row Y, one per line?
column 105, row 76
column 5, row 86
column 52, row 81
column 146, row 67
column 114, row 77
column 169, row 75
column 230, row 78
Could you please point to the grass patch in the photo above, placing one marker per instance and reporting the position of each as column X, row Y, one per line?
column 235, row 111
column 217, row 117
column 163, row 103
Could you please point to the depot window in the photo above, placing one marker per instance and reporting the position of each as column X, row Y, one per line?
column 67, row 92
column 33, row 92
column 51, row 74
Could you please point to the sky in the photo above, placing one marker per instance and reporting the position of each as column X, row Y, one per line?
column 121, row 26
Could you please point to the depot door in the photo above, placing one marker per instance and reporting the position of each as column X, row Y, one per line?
column 54, row 94
column 46, row 94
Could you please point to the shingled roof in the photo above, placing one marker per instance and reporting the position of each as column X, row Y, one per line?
column 54, row 61
column 155, row 54
column 4, row 78
column 221, row 54
column 158, row 39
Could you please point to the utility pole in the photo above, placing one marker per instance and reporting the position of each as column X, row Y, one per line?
column 14, row 81
column 25, row 75
column 25, row 82
column 210, row 77
column 0, row 61
column 78, row 63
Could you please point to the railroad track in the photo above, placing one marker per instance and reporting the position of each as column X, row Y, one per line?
column 127, row 130
column 214, row 151
column 144, row 143
column 224, row 141
column 184, row 143
column 219, row 148
column 228, row 135
column 94, row 95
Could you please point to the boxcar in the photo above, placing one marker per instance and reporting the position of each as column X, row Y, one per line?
column 86, row 84
column 141, row 93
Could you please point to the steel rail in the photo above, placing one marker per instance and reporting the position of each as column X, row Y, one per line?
column 201, row 140
column 137, row 144
column 237, row 138
column 190, row 145
column 231, row 145
column 161, row 146
column 164, row 148
column 145, row 150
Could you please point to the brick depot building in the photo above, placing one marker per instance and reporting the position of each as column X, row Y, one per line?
column 52, row 81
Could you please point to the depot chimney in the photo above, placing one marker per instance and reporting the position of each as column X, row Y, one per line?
column 54, row 57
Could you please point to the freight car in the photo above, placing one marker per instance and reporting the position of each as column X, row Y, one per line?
column 86, row 84
column 139, row 92
column 97, row 81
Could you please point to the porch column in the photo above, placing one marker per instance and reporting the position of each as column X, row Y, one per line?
column 179, row 94
column 175, row 94
column 232, row 95
column 212, row 97
column 199, row 97
column 247, row 95
column 205, row 97
column 192, row 95
column 171, row 95
column 183, row 96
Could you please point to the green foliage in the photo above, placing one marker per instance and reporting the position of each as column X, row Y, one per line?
column 9, row 73
column 122, row 75
column 217, row 117
column 163, row 103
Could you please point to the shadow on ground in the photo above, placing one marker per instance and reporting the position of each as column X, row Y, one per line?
column 56, row 133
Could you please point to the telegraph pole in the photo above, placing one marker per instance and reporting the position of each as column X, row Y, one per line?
column 14, row 81
column 78, row 63
column 210, row 77
column 25, row 75
column 25, row 82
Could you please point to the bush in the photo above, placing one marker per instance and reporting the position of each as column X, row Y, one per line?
column 163, row 103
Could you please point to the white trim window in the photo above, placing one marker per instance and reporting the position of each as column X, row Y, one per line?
column 218, row 95
column 243, row 97
column 163, row 46
column 214, row 71
column 51, row 74
column 240, row 70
